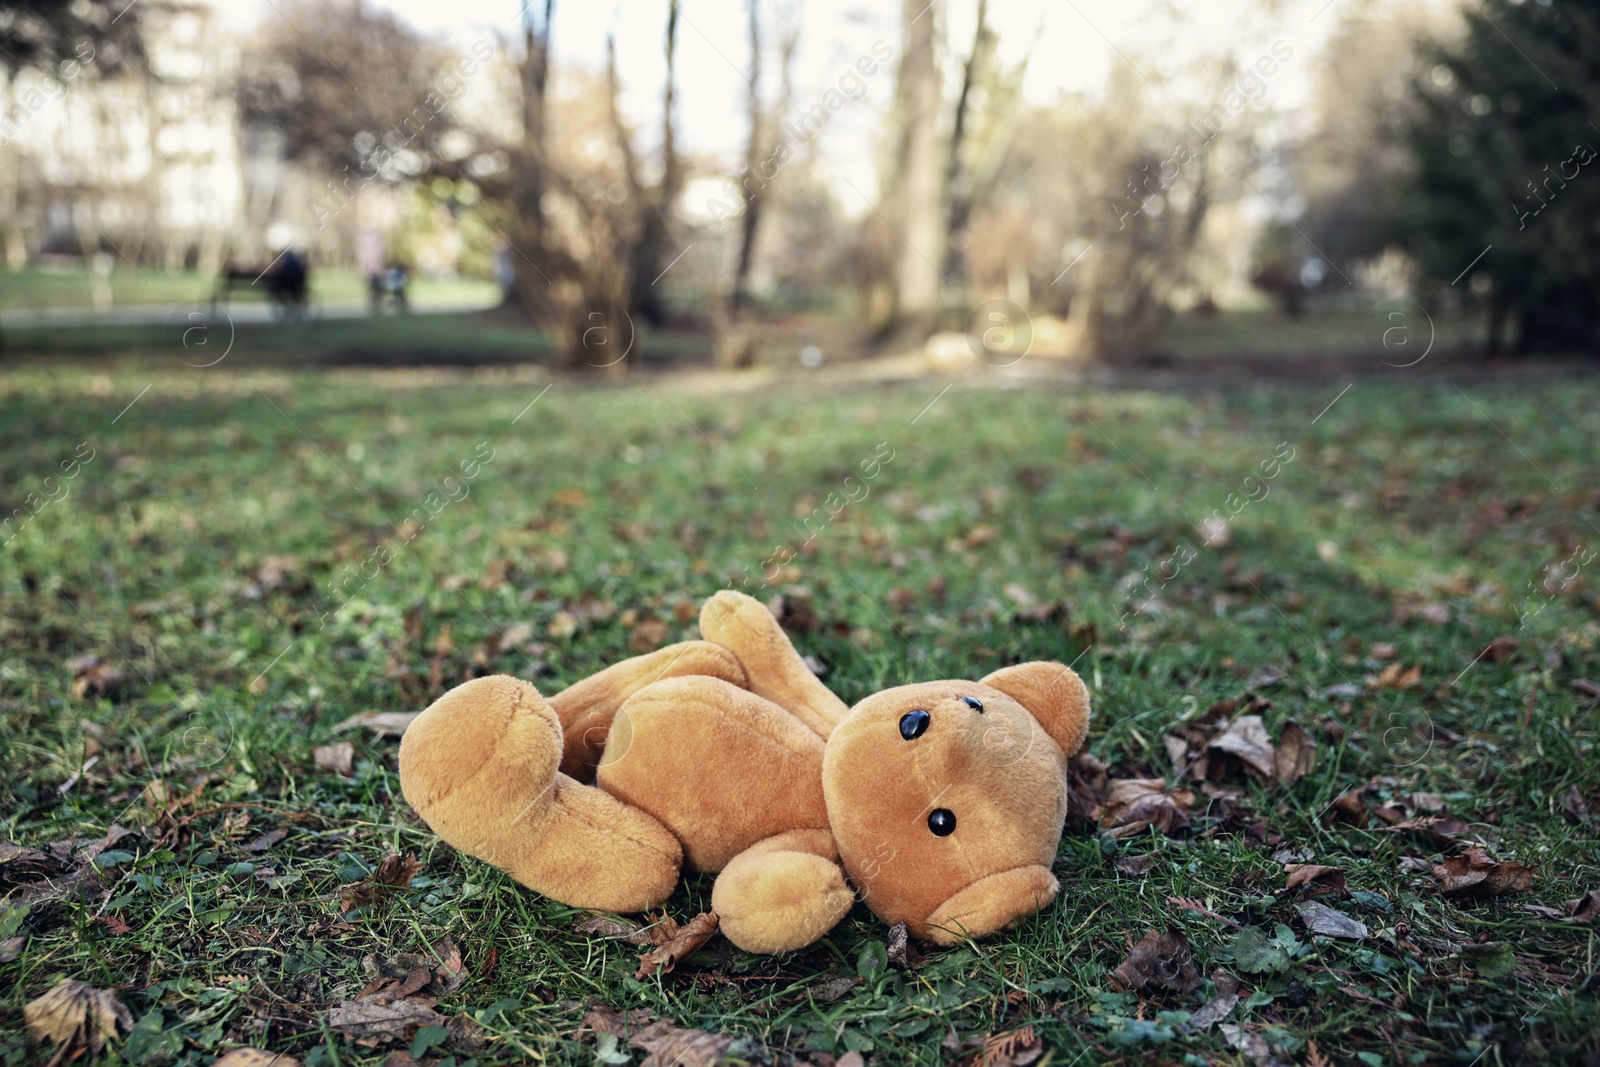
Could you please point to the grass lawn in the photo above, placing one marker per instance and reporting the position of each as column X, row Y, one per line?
column 171, row 655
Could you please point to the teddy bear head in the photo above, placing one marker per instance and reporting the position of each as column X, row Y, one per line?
column 947, row 799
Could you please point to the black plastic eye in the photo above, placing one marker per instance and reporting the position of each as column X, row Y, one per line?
column 913, row 723
column 942, row 821
column 975, row 705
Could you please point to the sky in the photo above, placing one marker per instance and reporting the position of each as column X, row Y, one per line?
column 1075, row 44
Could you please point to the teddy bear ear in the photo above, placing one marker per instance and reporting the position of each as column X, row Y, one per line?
column 1055, row 696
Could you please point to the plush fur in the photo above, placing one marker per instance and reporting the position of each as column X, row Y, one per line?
column 728, row 755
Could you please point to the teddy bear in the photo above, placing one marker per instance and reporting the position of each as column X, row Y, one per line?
column 939, row 804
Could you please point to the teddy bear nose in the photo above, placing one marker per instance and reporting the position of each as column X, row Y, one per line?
column 913, row 723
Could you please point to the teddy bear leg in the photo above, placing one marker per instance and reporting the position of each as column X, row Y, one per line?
column 480, row 767
column 744, row 626
column 783, row 893
column 587, row 708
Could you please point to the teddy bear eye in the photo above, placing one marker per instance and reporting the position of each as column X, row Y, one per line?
column 942, row 821
column 973, row 703
column 913, row 723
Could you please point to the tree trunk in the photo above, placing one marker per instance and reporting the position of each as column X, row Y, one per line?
column 920, row 189
column 958, row 179
column 650, row 258
column 530, row 288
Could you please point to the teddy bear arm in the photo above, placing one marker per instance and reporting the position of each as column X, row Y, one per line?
column 586, row 709
column 990, row 904
column 744, row 626
column 783, row 893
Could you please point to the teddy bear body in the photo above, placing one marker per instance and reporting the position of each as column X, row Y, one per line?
column 943, row 802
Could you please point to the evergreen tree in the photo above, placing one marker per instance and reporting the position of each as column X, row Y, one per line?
column 1506, row 156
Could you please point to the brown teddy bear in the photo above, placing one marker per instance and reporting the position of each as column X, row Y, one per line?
column 943, row 801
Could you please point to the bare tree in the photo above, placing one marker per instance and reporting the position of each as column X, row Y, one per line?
column 530, row 289
column 920, row 177
column 659, row 202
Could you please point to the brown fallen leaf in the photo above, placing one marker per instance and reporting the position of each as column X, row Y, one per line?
column 1214, row 1011
column 382, row 723
column 1135, row 866
column 255, row 1057
column 684, row 942
column 76, row 1018
column 1474, row 874
column 606, row 1020
column 1351, row 806
column 1395, row 676
column 1586, row 687
column 377, row 1016
column 1133, row 805
column 671, row 1046
column 1500, row 649
column 1575, row 806
column 832, row 987
column 1584, row 909
column 601, row 925
column 1246, row 737
column 1441, row 829
column 1013, row 1048
column 648, row 636
column 903, row 952
column 1190, row 904
column 1301, row 874
column 265, row 841
column 337, row 757
column 394, row 873
column 437, row 972
column 1162, row 961
column 1296, row 754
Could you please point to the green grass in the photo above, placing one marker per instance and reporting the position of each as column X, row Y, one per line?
column 194, row 554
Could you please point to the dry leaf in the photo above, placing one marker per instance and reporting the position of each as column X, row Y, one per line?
column 1584, row 909
column 1190, row 904
column 1135, row 866
column 1500, row 649
column 685, row 942
column 1246, row 737
column 1163, row 961
column 1575, row 806
column 1394, row 676
column 1014, row 1048
column 76, row 1018
column 1296, row 755
column 382, row 723
column 1305, row 873
column 1321, row 919
column 1214, row 1011
column 600, row 925
column 337, row 757
column 833, row 987
column 394, row 873
column 1474, row 874
column 648, row 636
column 605, row 1020
column 377, row 1015
column 902, row 953
column 265, row 841
column 256, row 1057
column 670, row 1046
column 1133, row 805
column 1586, row 687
